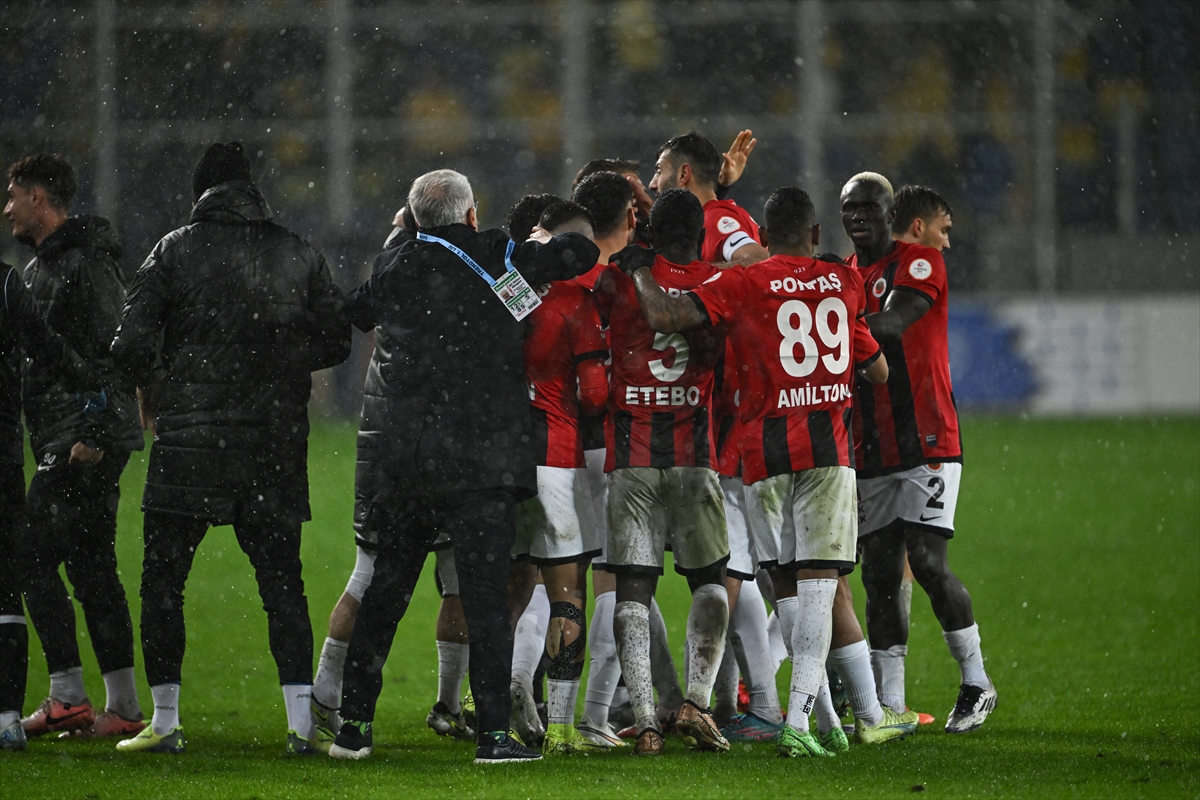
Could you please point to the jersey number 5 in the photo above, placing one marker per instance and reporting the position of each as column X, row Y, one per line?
column 670, row 341
column 836, row 338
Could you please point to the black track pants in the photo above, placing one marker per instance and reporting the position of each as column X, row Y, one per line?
column 482, row 527
column 14, row 636
column 274, row 550
column 71, row 518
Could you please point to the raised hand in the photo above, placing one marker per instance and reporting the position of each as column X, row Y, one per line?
column 734, row 161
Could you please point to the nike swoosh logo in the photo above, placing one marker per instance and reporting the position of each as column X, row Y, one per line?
column 927, row 519
column 53, row 720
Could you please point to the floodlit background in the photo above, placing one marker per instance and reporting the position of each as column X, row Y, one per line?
column 1064, row 135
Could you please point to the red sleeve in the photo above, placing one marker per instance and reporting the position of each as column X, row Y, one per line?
column 923, row 272
column 593, row 387
column 719, row 296
column 605, row 289
column 585, row 332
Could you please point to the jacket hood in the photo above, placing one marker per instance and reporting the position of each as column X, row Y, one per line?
column 82, row 231
column 232, row 203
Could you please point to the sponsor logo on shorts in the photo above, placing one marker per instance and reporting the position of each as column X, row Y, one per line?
column 920, row 269
column 933, row 467
column 929, row 519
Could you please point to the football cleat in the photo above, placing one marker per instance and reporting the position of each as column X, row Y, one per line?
column 297, row 745
column 468, row 709
column 743, row 696
column 892, row 726
column 600, row 735
column 108, row 724
column 698, row 729
column 925, row 719
column 354, row 741
column 800, row 744
column 12, row 737
column 750, row 727
column 55, row 715
column 150, row 742
column 649, row 743
column 564, row 740
column 835, row 740
column 326, row 720
column 444, row 723
column 972, row 707
column 525, row 720
column 499, row 747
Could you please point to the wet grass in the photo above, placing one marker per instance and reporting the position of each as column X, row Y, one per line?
column 1080, row 543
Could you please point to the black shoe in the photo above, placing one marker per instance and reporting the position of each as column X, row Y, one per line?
column 498, row 747
column 353, row 741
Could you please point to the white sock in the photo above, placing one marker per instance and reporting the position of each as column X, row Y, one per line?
column 453, row 659
column 67, row 686
column 788, row 608
column 707, row 622
column 888, row 667
column 749, row 622
column 964, row 646
column 297, row 699
column 662, row 666
column 827, row 718
column 166, row 708
column 810, row 645
column 605, row 669
column 853, row 665
column 560, row 701
column 725, row 689
column 120, row 686
column 529, row 640
column 8, row 718
column 327, row 685
column 631, row 624
column 779, row 652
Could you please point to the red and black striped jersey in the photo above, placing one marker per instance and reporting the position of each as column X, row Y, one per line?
column 659, row 408
column 561, row 334
column 797, row 336
column 910, row 420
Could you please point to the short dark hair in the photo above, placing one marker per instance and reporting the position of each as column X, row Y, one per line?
column 618, row 165
column 558, row 214
column 606, row 196
column 699, row 152
column 55, row 176
column 917, row 201
column 523, row 217
column 676, row 218
column 789, row 215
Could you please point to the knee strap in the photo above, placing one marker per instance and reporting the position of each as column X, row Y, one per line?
column 567, row 664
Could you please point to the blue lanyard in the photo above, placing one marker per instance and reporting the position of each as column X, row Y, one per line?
column 470, row 262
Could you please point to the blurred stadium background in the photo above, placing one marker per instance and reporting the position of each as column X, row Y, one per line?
column 1063, row 133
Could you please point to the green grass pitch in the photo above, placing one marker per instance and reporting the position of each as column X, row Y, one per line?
column 1080, row 544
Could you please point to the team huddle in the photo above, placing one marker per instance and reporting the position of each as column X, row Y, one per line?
column 614, row 377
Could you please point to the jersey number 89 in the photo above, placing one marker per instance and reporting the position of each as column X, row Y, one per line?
column 835, row 338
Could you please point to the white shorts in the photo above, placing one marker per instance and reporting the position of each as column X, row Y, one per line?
column 594, row 485
column 551, row 527
column 360, row 578
column 742, row 561
column 447, row 575
column 805, row 520
column 925, row 495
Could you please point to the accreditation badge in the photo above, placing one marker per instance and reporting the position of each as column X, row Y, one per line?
column 517, row 295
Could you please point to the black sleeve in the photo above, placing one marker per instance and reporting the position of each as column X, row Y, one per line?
column 328, row 331
column 135, row 346
column 40, row 343
column 721, row 190
column 564, row 257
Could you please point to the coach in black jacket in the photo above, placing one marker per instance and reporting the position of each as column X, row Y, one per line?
column 245, row 309
column 445, row 440
column 22, row 330
column 73, row 496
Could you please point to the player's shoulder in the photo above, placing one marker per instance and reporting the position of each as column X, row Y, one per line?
column 919, row 261
column 726, row 217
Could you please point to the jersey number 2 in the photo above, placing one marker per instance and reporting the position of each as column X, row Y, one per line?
column 801, row 334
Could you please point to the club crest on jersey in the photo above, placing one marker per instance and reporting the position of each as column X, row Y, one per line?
column 920, row 269
column 728, row 225
column 879, row 287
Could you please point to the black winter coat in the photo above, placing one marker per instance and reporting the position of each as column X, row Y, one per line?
column 24, row 331
column 445, row 405
column 75, row 280
column 246, row 310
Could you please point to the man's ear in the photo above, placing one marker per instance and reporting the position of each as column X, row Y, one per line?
column 685, row 175
column 700, row 241
column 472, row 220
column 891, row 216
column 762, row 236
column 816, row 234
column 917, row 229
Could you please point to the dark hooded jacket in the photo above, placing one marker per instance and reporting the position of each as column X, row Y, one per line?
column 445, row 404
column 77, row 285
column 226, row 319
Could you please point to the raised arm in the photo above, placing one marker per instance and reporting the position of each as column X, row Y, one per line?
column 664, row 313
